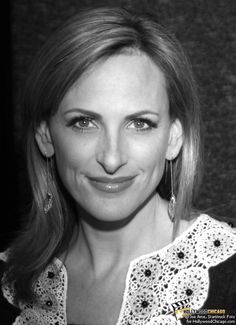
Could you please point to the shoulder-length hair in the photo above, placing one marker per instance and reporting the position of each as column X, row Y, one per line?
column 87, row 38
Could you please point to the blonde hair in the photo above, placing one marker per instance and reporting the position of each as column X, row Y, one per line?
column 83, row 41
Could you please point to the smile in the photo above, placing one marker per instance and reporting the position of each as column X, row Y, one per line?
column 111, row 185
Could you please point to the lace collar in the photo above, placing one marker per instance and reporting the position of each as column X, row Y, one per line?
column 157, row 284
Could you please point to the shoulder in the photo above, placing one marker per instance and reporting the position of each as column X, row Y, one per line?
column 216, row 248
column 188, row 273
column 8, row 312
column 48, row 308
column 3, row 261
column 3, row 256
column 2, row 264
column 215, row 240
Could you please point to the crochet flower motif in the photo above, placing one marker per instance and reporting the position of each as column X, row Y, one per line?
column 8, row 293
column 48, row 301
column 29, row 316
column 189, row 284
column 142, row 303
column 145, row 273
column 50, row 278
column 180, row 255
column 215, row 246
column 163, row 320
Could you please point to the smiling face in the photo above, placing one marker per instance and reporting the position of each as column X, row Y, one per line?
column 111, row 136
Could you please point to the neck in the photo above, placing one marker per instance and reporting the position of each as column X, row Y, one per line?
column 147, row 231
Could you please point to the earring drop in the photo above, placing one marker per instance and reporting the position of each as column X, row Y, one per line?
column 172, row 201
column 48, row 201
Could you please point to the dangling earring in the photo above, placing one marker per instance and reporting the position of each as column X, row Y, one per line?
column 172, row 201
column 48, row 201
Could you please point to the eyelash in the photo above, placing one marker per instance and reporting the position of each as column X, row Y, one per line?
column 78, row 119
column 72, row 123
column 150, row 124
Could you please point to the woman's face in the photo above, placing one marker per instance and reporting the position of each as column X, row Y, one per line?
column 111, row 135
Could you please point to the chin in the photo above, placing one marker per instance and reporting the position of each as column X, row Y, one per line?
column 106, row 219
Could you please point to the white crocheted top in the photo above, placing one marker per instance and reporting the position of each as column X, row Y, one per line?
column 156, row 284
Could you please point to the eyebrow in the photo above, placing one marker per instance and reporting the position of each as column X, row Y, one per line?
column 98, row 116
column 84, row 111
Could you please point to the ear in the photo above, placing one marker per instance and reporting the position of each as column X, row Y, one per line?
column 44, row 140
column 175, row 140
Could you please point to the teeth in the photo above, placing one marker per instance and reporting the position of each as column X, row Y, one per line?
column 110, row 186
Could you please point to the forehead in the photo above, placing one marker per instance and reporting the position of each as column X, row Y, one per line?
column 122, row 80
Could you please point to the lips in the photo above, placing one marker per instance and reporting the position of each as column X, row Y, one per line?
column 111, row 185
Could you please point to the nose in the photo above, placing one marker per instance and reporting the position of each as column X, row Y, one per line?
column 111, row 152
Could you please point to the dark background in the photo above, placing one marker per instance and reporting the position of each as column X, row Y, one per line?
column 207, row 31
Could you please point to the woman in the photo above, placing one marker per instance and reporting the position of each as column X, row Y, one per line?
column 113, row 147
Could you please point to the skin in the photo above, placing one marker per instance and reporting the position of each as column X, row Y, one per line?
column 124, row 91
column 113, row 122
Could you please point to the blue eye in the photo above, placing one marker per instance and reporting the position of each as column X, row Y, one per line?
column 142, row 124
column 82, row 123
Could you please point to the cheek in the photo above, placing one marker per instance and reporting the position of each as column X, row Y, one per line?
column 154, row 166
column 151, row 154
column 71, row 155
